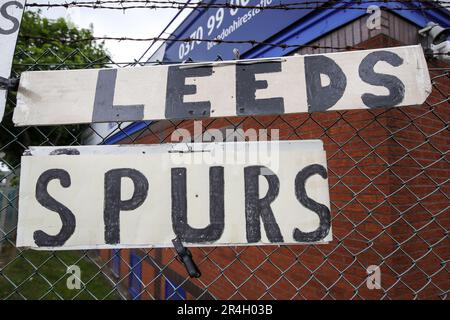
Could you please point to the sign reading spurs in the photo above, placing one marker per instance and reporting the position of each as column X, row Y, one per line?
column 144, row 196
column 336, row 81
column 10, row 16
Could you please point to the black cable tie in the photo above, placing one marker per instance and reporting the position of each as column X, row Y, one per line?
column 9, row 84
column 185, row 257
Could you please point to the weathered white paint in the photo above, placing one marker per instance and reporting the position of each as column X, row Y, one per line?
column 10, row 17
column 65, row 97
column 150, row 225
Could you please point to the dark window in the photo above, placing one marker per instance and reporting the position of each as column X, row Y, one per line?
column 135, row 286
column 174, row 292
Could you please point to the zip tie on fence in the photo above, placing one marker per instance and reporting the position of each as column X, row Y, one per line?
column 9, row 84
column 185, row 257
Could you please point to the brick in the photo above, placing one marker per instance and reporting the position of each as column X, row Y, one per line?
column 365, row 149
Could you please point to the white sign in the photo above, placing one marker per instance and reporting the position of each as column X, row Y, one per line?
column 208, row 194
column 10, row 17
column 336, row 81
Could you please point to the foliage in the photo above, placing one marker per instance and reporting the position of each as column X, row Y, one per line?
column 49, row 281
column 35, row 51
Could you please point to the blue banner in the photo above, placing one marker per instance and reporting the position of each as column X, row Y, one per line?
column 231, row 24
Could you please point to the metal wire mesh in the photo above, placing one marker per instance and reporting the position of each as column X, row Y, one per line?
column 388, row 175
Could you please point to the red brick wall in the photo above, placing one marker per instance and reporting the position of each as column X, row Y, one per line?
column 387, row 174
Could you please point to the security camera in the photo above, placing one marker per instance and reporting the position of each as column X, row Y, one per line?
column 437, row 40
column 435, row 32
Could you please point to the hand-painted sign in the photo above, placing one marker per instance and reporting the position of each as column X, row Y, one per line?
column 144, row 196
column 336, row 81
column 10, row 17
column 249, row 21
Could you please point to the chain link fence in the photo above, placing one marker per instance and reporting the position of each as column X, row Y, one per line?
column 389, row 191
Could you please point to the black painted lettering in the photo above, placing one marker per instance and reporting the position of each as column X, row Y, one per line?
column 321, row 210
column 256, row 208
column 246, row 86
column 4, row 14
column 177, row 89
column 322, row 98
column 114, row 204
column 65, row 151
column 41, row 238
column 392, row 83
column 104, row 108
column 180, row 223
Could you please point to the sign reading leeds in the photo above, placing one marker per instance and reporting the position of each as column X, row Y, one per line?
column 10, row 16
column 144, row 196
column 336, row 81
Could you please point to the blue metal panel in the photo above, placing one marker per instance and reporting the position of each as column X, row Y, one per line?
column 422, row 17
column 314, row 27
column 278, row 26
column 135, row 285
column 231, row 24
column 173, row 292
column 127, row 131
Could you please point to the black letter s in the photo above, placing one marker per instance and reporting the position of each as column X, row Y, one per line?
column 5, row 14
column 321, row 210
column 41, row 238
column 392, row 83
